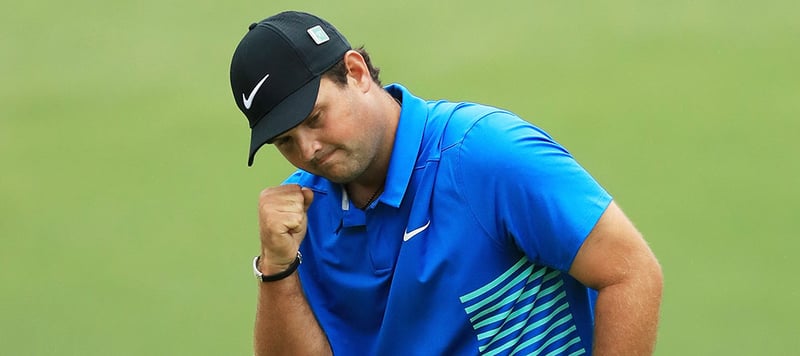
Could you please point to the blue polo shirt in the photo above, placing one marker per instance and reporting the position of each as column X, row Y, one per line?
column 466, row 250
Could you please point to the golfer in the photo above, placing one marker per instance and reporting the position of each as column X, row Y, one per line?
column 418, row 227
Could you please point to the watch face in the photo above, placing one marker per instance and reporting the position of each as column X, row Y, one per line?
column 256, row 272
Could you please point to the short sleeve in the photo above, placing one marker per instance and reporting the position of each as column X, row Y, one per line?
column 528, row 190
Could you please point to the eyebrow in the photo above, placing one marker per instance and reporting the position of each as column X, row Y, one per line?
column 314, row 114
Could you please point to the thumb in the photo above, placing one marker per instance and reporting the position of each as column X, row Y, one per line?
column 308, row 197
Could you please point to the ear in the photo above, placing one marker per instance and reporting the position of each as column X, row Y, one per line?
column 357, row 70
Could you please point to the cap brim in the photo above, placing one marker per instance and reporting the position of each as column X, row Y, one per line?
column 284, row 116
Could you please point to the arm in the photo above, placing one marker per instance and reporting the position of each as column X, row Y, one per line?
column 616, row 261
column 285, row 324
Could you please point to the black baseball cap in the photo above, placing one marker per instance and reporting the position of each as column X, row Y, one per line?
column 276, row 70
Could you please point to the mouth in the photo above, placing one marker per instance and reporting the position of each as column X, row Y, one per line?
column 320, row 159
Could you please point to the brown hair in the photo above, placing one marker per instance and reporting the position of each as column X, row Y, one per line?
column 338, row 73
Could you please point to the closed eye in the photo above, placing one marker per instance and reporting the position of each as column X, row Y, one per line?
column 280, row 141
column 313, row 121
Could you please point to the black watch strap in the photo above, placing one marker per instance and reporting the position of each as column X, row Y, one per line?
column 278, row 276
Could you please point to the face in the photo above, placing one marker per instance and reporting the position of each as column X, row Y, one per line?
column 338, row 140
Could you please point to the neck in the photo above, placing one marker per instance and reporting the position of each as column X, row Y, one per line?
column 365, row 189
column 371, row 199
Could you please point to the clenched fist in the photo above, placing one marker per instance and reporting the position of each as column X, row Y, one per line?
column 282, row 220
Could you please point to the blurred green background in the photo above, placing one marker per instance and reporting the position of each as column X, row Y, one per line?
column 128, row 214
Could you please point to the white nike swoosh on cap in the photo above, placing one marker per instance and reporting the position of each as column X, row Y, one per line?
column 248, row 101
column 409, row 234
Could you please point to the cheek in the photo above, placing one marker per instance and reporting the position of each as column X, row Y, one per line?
column 349, row 124
column 290, row 155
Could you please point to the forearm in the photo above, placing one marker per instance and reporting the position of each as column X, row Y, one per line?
column 285, row 324
column 626, row 316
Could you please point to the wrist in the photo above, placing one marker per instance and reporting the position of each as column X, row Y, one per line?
column 271, row 272
column 268, row 265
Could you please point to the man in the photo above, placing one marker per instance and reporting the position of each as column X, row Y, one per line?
column 423, row 227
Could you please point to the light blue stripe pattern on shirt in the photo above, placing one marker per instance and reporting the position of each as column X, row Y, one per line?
column 523, row 311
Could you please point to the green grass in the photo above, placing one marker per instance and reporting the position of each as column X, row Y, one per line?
column 127, row 212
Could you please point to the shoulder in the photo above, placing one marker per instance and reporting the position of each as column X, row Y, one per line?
column 462, row 118
column 490, row 136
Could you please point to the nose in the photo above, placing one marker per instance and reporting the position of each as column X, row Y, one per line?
column 309, row 146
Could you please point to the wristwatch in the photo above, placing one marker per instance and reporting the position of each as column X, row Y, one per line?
column 278, row 276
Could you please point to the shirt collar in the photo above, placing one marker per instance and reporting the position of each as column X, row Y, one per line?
column 413, row 116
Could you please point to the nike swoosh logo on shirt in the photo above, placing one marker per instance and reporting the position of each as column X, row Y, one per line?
column 248, row 101
column 409, row 234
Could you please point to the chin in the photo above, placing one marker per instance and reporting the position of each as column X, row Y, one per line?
column 339, row 176
column 338, row 179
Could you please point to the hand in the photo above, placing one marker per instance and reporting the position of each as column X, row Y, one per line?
column 282, row 220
